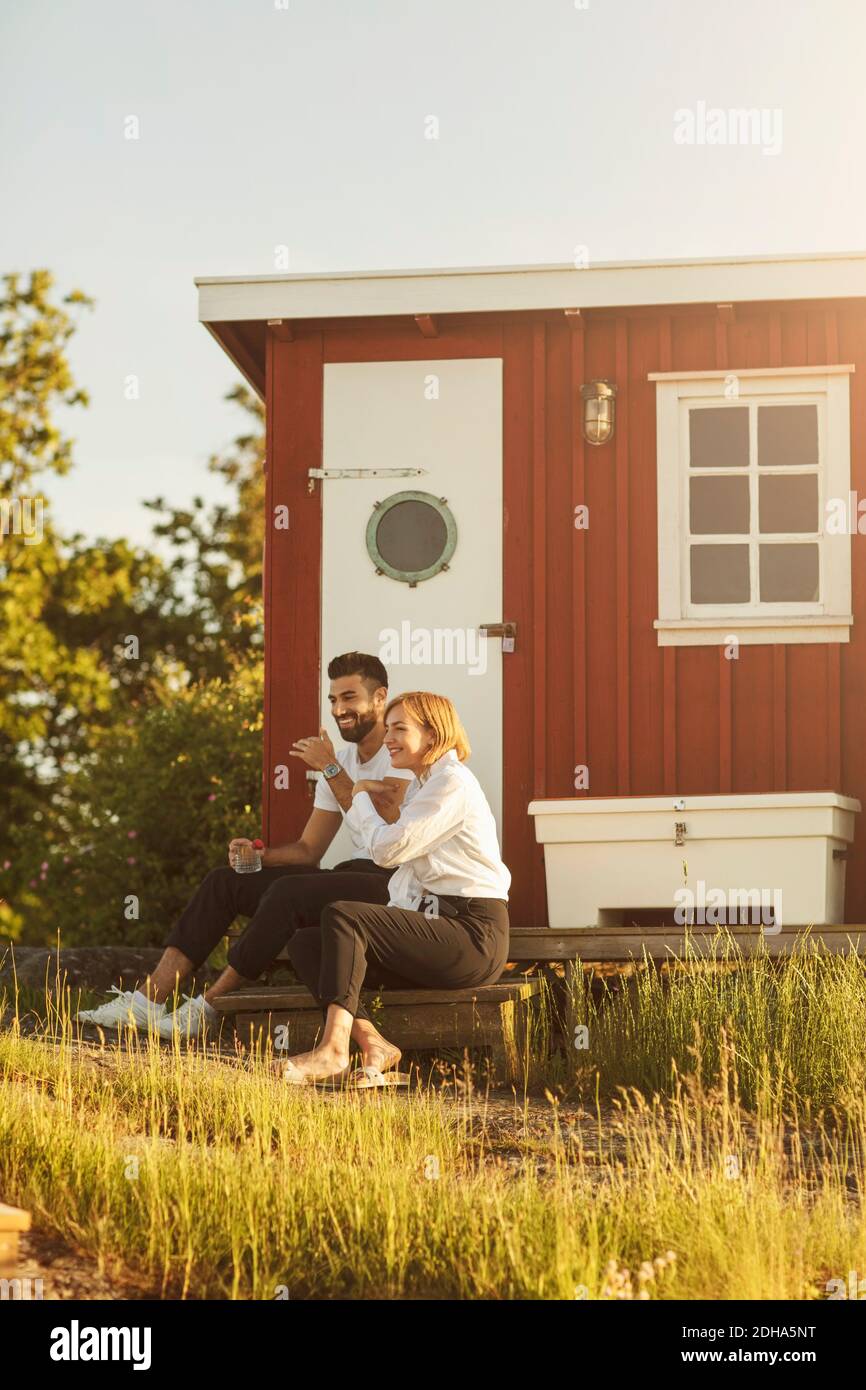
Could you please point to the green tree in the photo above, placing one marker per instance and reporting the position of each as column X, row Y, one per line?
column 219, row 549
column 97, row 636
column 35, row 378
column 146, row 815
column 65, row 605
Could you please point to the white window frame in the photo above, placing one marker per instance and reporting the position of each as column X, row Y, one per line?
column 682, row 624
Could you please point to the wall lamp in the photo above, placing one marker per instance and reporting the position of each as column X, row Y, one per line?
column 599, row 411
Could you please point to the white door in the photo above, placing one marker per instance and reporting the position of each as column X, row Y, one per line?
column 444, row 417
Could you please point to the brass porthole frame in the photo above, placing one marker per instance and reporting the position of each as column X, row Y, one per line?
column 411, row 577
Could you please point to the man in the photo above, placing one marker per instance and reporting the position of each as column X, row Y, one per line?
column 290, row 890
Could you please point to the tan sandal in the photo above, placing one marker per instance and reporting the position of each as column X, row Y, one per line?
column 293, row 1076
column 366, row 1078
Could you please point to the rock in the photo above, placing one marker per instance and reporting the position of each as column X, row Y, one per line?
column 84, row 967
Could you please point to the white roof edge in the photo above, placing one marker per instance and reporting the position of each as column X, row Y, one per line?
column 475, row 289
column 548, row 267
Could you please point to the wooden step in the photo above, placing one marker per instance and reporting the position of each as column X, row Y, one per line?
column 298, row 996
column 494, row 1017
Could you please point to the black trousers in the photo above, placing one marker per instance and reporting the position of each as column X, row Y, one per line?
column 277, row 901
column 361, row 944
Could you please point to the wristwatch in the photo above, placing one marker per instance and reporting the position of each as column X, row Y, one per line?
column 331, row 770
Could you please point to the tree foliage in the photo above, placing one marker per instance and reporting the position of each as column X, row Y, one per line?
column 150, row 811
column 35, row 378
column 220, row 549
column 105, row 647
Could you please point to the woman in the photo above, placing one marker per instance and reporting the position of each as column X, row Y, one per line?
column 446, row 921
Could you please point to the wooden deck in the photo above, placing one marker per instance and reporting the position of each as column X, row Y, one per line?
column 664, row 942
column 603, row 944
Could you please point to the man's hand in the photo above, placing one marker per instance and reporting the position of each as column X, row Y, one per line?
column 236, row 845
column 315, row 752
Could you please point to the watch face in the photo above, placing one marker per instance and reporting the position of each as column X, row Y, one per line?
column 331, row 770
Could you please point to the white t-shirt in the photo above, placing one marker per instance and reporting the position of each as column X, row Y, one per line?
column 377, row 768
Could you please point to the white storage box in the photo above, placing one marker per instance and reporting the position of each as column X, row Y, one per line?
column 775, row 858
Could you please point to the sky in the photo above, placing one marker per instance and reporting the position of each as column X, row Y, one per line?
column 307, row 124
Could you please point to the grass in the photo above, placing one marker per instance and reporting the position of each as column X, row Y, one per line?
column 709, row 1143
column 801, row 1019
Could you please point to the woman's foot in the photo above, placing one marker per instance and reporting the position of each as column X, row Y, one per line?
column 322, row 1064
column 378, row 1057
column 380, row 1054
column 375, row 1050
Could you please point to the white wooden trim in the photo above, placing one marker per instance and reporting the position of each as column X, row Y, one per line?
column 668, row 442
column 503, row 288
column 723, row 373
column 766, row 382
column 836, row 550
column 751, row 632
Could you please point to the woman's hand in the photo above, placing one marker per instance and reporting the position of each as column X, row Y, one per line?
column 389, row 800
column 386, row 795
column 368, row 784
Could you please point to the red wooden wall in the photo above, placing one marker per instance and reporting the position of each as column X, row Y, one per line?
column 587, row 683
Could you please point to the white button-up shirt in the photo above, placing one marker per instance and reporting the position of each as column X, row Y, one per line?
column 444, row 841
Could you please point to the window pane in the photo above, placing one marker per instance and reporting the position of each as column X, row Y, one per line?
column 789, row 573
column 788, row 502
column 720, row 573
column 787, row 434
column 719, row 506
column 719, row 437
column 411, row 536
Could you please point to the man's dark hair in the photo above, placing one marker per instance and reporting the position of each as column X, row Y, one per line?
column 369, row 668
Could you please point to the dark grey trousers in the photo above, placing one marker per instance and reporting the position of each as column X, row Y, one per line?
column 361, row 943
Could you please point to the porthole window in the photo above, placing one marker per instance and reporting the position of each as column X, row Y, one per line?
column 411, row 536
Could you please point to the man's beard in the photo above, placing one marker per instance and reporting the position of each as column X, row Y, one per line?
column 358, row 730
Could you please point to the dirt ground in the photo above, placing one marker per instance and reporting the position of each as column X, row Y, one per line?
column 56, row 1273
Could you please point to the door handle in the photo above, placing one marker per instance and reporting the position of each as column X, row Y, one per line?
column 507, row 631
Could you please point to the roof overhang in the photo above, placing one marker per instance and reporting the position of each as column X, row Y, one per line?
column 249, row 301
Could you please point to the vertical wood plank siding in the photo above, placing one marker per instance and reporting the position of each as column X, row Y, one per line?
column 292, row 577
column 588, row 683
column 577, row 543
column 623, row 605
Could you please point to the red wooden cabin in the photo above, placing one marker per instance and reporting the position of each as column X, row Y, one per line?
column 460, row 390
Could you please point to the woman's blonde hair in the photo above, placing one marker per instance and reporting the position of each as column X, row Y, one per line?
column 437, row 714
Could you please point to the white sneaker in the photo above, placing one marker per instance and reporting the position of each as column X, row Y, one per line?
column 128, row 1009
column 192, row 1020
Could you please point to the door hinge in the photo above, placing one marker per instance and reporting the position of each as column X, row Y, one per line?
column 328, row 473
